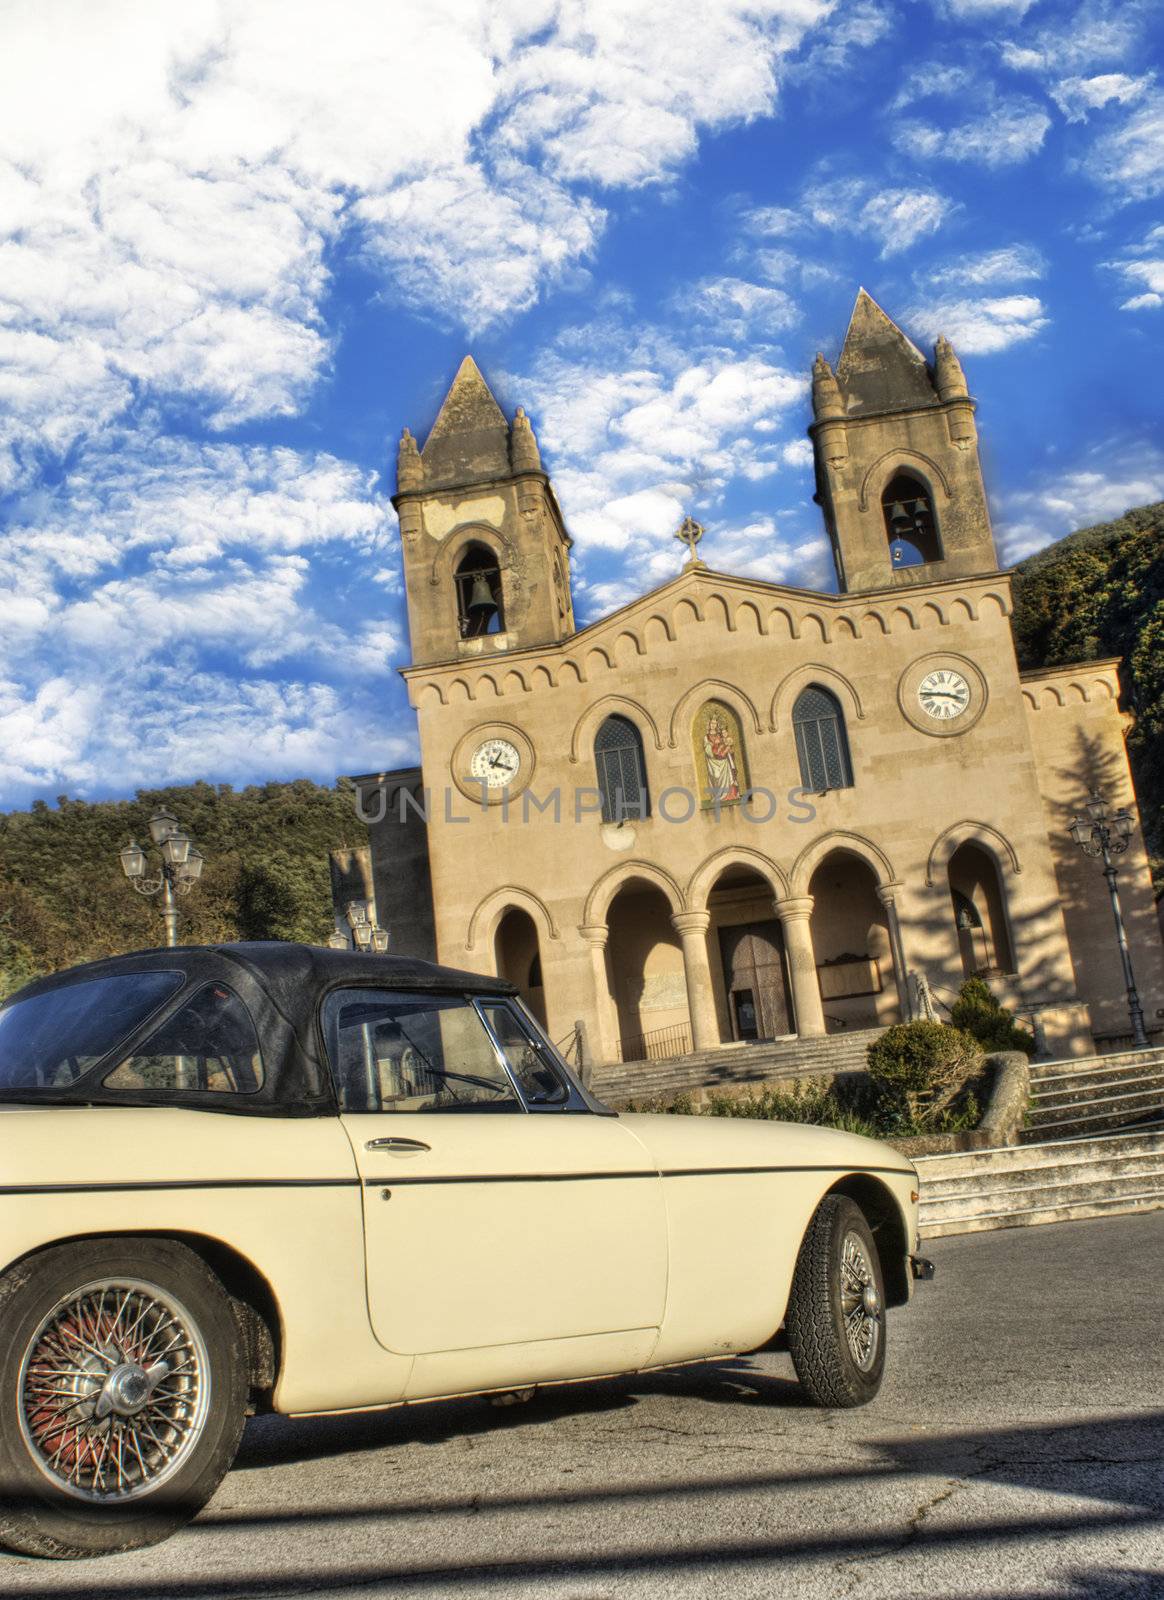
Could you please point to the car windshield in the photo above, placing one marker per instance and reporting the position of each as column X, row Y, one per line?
column 50, row 1040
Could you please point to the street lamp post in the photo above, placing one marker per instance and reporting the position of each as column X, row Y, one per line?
column 1103, row 835
column 366, row 934
column 178, row 871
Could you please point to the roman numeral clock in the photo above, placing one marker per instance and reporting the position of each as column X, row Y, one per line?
column 942, row 694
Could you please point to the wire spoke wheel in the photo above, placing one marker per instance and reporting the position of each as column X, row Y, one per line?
column 114, row 1391
column 860, row 1302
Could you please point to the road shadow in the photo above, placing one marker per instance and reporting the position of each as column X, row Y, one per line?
column 281, row 1441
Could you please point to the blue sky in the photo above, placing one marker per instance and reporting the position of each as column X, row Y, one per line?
column 244, row 242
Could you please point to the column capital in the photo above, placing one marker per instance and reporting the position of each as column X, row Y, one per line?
column 796, row 909
column 887, row 892
column 595, row 933
column 691, row 921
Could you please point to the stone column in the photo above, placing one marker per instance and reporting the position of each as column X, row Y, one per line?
column 603, row 1038
column 887, row 894
column 691, row 926
column 794, row 915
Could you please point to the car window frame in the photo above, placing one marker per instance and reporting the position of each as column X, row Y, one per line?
column 572, row 1101
column 196, row 1098
column 519, row 1107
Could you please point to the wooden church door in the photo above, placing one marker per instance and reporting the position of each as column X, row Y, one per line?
column 754, row 977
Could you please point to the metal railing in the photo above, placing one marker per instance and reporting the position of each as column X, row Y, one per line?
column 658, row 1045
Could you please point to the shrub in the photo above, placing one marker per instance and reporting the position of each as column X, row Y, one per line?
column 829, row 1108
column 924, row 1073
column 977, row 1012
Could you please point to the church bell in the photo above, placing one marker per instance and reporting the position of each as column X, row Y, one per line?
column 481, row 595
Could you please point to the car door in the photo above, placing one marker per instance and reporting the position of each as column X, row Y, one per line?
column 491, row 1216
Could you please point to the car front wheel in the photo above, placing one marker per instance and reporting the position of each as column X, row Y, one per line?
column 836, row 1311
column 122, row 1395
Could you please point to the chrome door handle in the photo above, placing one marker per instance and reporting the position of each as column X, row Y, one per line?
column 390, row 1142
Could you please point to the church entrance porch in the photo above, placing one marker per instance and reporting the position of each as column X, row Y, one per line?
column 648, row 977
column 518, row 958
column 852, row 944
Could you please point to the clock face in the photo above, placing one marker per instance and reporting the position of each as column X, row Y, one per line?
column 495, row 763
column 943, row 694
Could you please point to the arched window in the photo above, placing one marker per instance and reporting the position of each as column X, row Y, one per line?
column 821, row 745
column 910, row 523
column 622, row 772
column 478, row 584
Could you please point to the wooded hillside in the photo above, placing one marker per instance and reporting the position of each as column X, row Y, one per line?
column 1100, row 592
column 64, row 898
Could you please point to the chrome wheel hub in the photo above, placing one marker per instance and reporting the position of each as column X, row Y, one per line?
column 114, row 1391
column 860, row 1303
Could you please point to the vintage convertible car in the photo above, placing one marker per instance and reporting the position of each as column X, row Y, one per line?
column 270, row 1176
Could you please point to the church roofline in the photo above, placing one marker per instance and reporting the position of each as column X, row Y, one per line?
column 693, row 576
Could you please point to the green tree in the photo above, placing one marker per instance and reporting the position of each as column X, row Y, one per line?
column 63, row 898
column 1100, row 592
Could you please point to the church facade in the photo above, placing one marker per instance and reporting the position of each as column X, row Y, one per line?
column 736, row 810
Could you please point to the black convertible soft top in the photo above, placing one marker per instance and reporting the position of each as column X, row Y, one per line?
column 282, row 985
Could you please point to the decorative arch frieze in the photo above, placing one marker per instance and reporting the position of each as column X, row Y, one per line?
column 483, row 924
column 604, row 891
column 710, row 689
column 595, row 715
column 813, row 672
column 855, row 844
column 997, row 846
column 900, row 458
column 704, row 879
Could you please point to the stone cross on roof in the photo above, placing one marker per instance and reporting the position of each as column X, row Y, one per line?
column 690, row 533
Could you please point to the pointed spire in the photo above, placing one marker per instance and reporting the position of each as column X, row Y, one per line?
column 523, row 445
column 880, row 369
column 826, row 394
column 469, row 442
column 409, row 470
column 949, row 379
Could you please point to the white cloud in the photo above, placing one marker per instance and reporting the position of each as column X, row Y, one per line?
column 1017, row 263
column 1006, row 132
column 737, row 308
column 1114, row 477
column 172, row 179
column 895, row 218
column 987, row 10
column 644, row 433
column 982, row 326
column 172, row 610
column 1075, row 97
column 1142, row 268
column 1129, row 158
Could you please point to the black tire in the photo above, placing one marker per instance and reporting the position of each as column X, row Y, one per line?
column 62, row 1359
column 832, row 1370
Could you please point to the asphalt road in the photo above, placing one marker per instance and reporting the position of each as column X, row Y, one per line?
column 1016, row 1449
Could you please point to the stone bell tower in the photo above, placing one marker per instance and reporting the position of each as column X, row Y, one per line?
column 897, row 468
column 486, row 552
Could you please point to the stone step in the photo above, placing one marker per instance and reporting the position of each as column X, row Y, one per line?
column 1068, row 1211
column 1069, row 1066
column 1021, row 1158
column 1081, row 1169
column 1132, row 1115
column 1091, row 1083
column 1040, row 1196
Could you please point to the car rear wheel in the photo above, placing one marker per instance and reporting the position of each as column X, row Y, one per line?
column 836, row 1311
column 122, row 1395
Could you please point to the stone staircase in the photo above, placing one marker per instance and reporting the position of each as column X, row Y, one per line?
column 1093, row 1146
column 618, row 1082
column 1057, row 1182
column 1072, row 1099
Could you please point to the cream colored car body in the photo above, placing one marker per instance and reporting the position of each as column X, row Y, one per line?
column 515, row 1250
